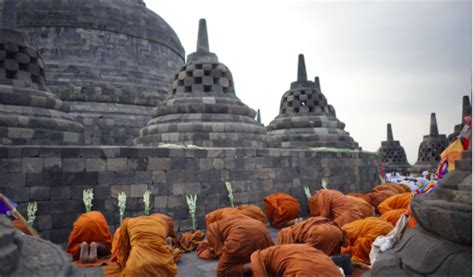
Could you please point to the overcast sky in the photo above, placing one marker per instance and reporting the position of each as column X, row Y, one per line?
column 378, row 61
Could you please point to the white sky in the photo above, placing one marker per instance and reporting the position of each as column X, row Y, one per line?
column 378, row 61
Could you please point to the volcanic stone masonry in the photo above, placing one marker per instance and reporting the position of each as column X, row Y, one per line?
column 466, row 110
column 430, row 149
column 441, row 244
column 202, row 108
column 29, row 112
column 111, row 61
column 392, row 154
column 305, row 119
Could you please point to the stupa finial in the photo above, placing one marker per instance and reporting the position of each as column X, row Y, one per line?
column 317, row 83
column 302, row 68
column 433, row 125
column 466, row 107
column 8, row 19
column 389, row 132
column 203, row 41
column 259, row 118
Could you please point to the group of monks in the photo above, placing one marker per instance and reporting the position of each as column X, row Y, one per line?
column 239, row 238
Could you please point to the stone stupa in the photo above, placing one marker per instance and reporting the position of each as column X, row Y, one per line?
column 112, row 61
column 466, row 110
column 441, row 243
column 202, row 108
column 430, row 149
column 306, row 120
column 29, row 113
column 392, row 154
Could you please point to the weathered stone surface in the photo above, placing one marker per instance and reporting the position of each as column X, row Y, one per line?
column 202, row 108
column 392, row 154
column 136, row 69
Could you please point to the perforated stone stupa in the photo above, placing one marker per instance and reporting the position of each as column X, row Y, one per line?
column 29, row 112
column 466, row 110
column 111, row 61
column 306, row 119
column 392, row 154
column 202, row 108
column 430, row 148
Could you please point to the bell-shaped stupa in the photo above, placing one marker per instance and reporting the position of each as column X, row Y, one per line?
column 202, row 108
column 430, row 149
column 29, row 113
column 392, row 154
column 306, row 119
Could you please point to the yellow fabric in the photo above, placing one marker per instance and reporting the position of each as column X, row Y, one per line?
column 453, row 153
column 143, row 248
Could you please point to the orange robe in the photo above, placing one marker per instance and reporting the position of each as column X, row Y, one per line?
column 292, row 260
column 281, row 208
column 392, row 216
column 222, row 213
column 379, row 196
column 399, row 201
column 390, row 187
column 143, row 250
column 233, row 241
column 189, row 241
column 253, row 211
column 89, row 227
column 363, row 196
column 319, row 232
column 364, row 207
column 361, row 234
column 333, row 205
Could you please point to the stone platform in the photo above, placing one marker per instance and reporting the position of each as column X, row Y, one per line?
column 56, row 176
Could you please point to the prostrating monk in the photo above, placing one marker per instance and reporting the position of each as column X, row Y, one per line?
column 391, row 187
column 333, row 205
column 363, row 196
column 319, row 232
column 361, row 234
column 399, row 201
column 253, row 211
column 393, row 216
column 143, row 249
column 292, row 260
column 222, row 213
column 189, row 241
column 233, row 240
column 280, row 208
column 90, row 238
column 364, row 207
column 378, row 197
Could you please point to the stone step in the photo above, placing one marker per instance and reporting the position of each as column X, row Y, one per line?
column 467, row 155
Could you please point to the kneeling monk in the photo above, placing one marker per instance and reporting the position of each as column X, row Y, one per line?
column 143, row 249
column 361, row 234
column 334, row 205
column 90, row 238
column 398, row 201
column 319, row 232
column 292, row 260
column 280, row 208
column 234, row 240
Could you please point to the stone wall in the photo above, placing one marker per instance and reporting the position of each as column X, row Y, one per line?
column 56, row 176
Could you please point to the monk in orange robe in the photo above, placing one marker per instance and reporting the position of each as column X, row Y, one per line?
column 333, row 205
column 378, row 197
column 253, row 211
column 319, row 232
column 391, row 187
column 280, row 208
column 399, row 201
column 361, row 234
column 90, row 230
column 292, row 260
column 363, row 196
column 393, row 216
column 364, row 207
column 222, row 213
column 143, row 249
column 233, row 240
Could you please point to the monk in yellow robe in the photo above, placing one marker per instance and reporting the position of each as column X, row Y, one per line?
column 333, row 205
column 143, row 249
column 292, row 260
column 399, row 201
column 319, row 232
column 281, row 208
column 90, row 238
column 233, row 240
column 360, row 236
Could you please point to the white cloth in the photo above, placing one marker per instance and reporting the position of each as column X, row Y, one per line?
column 384, row 243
